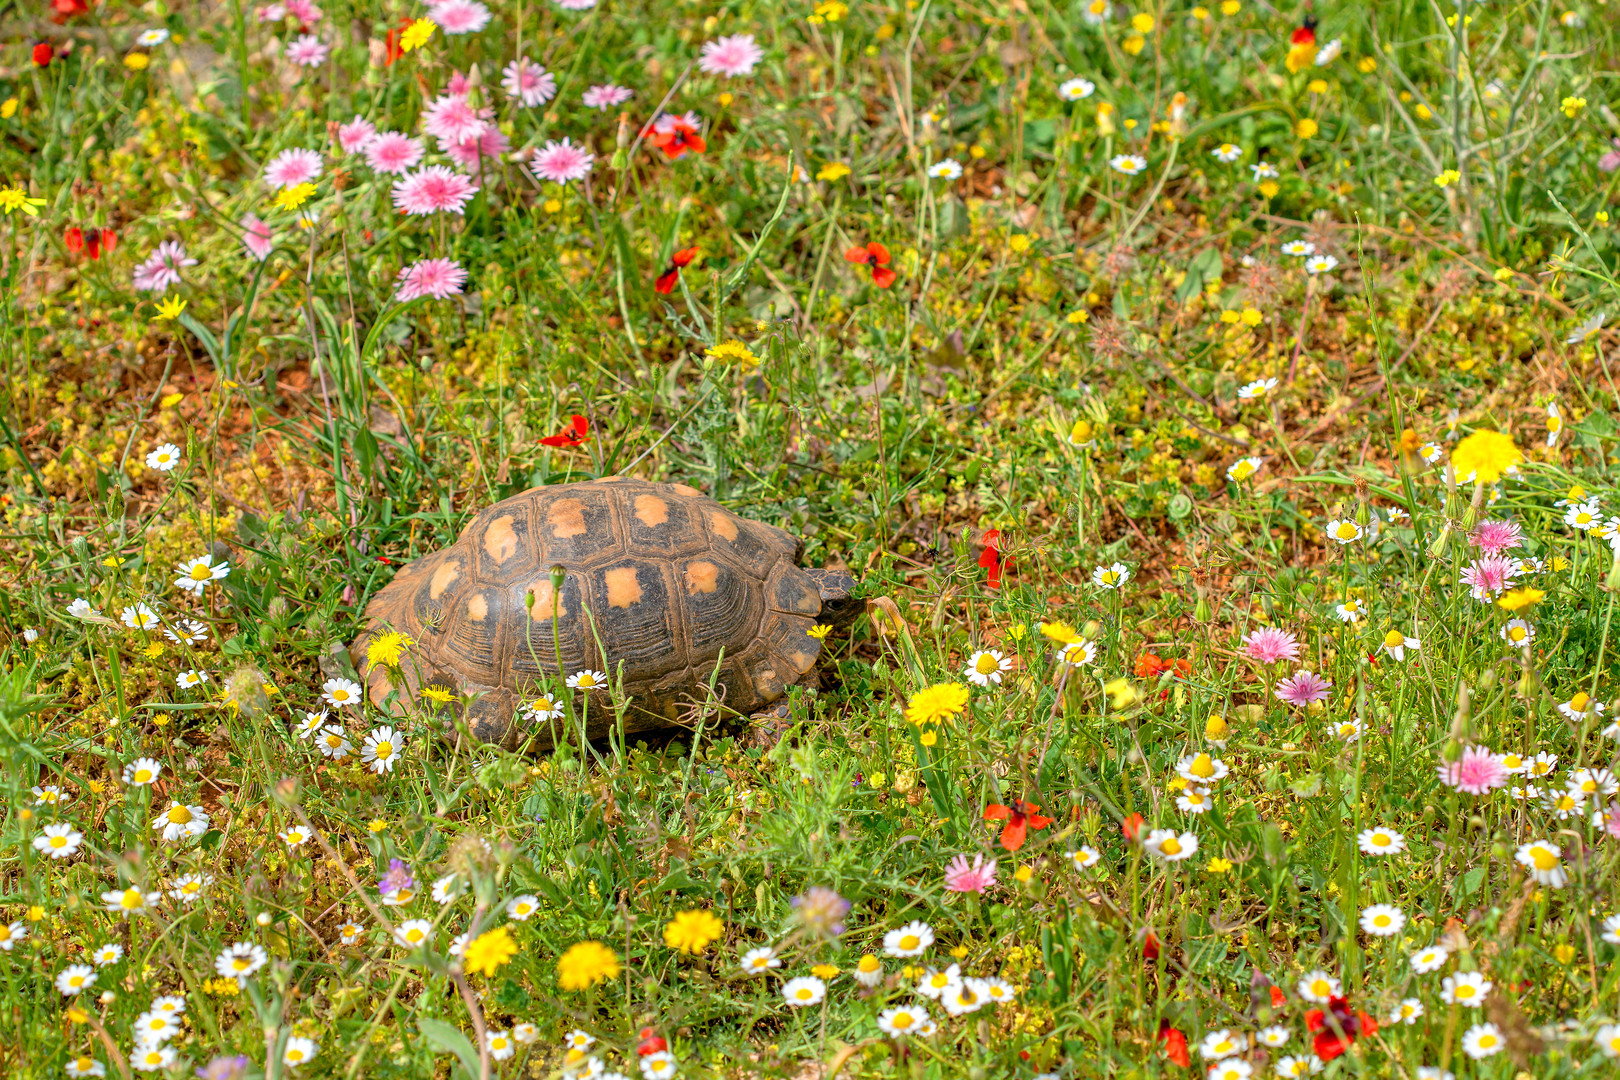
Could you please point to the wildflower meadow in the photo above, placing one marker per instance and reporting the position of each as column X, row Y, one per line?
column 910, row 538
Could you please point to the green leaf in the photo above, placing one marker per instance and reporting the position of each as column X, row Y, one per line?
column 448, row 1039
column 203, row 334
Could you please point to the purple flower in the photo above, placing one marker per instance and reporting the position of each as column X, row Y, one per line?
column 162, row 268
column 397, row 878
column 822, row 911
column 436, row 278
column 1488, row 576
column 561, row 162
column 225, row 1067
column 1301, row 688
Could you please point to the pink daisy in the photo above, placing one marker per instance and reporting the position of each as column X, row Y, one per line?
column 1495, row 536
column 1477, row 772
column 256, row 237
column 270, row 13
column 1488, row 576
column 576, row 5
column 433, row 189
column 1611, row 820
column 304, row 11
column 962, row 876
column 460, row 16
column 435, row 278
column 1268, row 645
column 1302, row 688
column 528, row 82
column 291, row 168
column 459, row 84
column 730, row 56
column 452, row 117
column 606, row 95
column 307, row 50
column 491, row 144
column 162, row 268
column 562, row 162
column 392, row 153
column 356, row 135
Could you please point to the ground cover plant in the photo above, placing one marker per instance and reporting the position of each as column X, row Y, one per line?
column 1213, row 403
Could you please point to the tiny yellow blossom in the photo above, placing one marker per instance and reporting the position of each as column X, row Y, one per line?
column 833, row 170
column 169, row 308
column 735, row 351
column 1306, row 128
column 416, row 35
column 292, row 198
column 137, row 61
column 1572, row 106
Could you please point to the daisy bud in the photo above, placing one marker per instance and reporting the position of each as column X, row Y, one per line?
column 1437, row 550
column 1201, row 612
column 1363, row 514
column 1487, row 679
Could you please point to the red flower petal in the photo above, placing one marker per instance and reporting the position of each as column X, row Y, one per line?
column 882, row 277
column 857, row 254
column 879, row 253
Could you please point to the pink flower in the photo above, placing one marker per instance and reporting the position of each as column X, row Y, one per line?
column 1477, row 772
column 1268, row 645
column 606, row 95
column 270, row 13
column 307, row 50
column 162, row 268
column 730, row 56
column 1610, row 161
column 302, row 10
column 459, row 84
column 436, row 278
column 432, row 189
column 460, row 16
column 1495, row 536
column 576, row 5
column 256, row 237
column 356, row 135
column 1301, row 688
column 962, row 876
column 1611, row 820
column 528, row 82
column 491, row 144
column 291, row 168
column 452, row 118
column 392, row 153
column 1488, row 576
column 562, row 162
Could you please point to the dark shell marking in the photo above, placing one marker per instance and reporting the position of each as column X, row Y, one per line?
column 669, row 577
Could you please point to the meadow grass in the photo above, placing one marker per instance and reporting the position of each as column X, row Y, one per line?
column 1216, row 415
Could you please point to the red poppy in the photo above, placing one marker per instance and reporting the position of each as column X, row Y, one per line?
column 43, row 52
column 651, row 1043
column 577, row 433
column 1175, row 1044
column 674, row 135
column 391, row 47
column 1019, row 816
column 990, row 557
column 74, row 239
column 1150, row 946
column 1346, row 1026
column 1278, row 998
column 98, row 240
column 66, row 9
column 1306, row 34
column 1132, row 827
column 876, row 256
column 385, row 560
column 672, row 273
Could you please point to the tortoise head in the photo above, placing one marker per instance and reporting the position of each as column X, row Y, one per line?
column 840, row 607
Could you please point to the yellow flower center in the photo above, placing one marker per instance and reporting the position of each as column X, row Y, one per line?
column 1346, row 531
column 200, row 572
column 1517, row 633
column 1380, row 839
column 1381, row 920
column 143, row 776
column 1394, row 639
column 803, row 993
column 240, row 963
column 58, row 841
column 1321, row 988
column 1511, row 761
column 986, row 664
column 413, row 935
column 77, row 980
column 179, row 815
column 1171, row 846
column 869, row 964
column 1487, row 1040
column 385, row 750
column 1202, row 766
column 939, row 978
column 1544, row 859
column 130, row 900
column 1465, row 991
column 902, row 1021
column 340, row 694
column 294, row 1054
column 1588, row 786
column 910, row 941
column 1579, row 702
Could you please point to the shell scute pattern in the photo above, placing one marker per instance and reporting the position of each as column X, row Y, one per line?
column 670, row 577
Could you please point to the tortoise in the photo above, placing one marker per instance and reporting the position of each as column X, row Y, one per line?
column 657, row 576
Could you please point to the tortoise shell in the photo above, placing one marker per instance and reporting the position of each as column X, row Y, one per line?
column 656, row 576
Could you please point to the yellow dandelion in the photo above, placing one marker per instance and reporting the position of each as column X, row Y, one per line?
column 936, row 704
